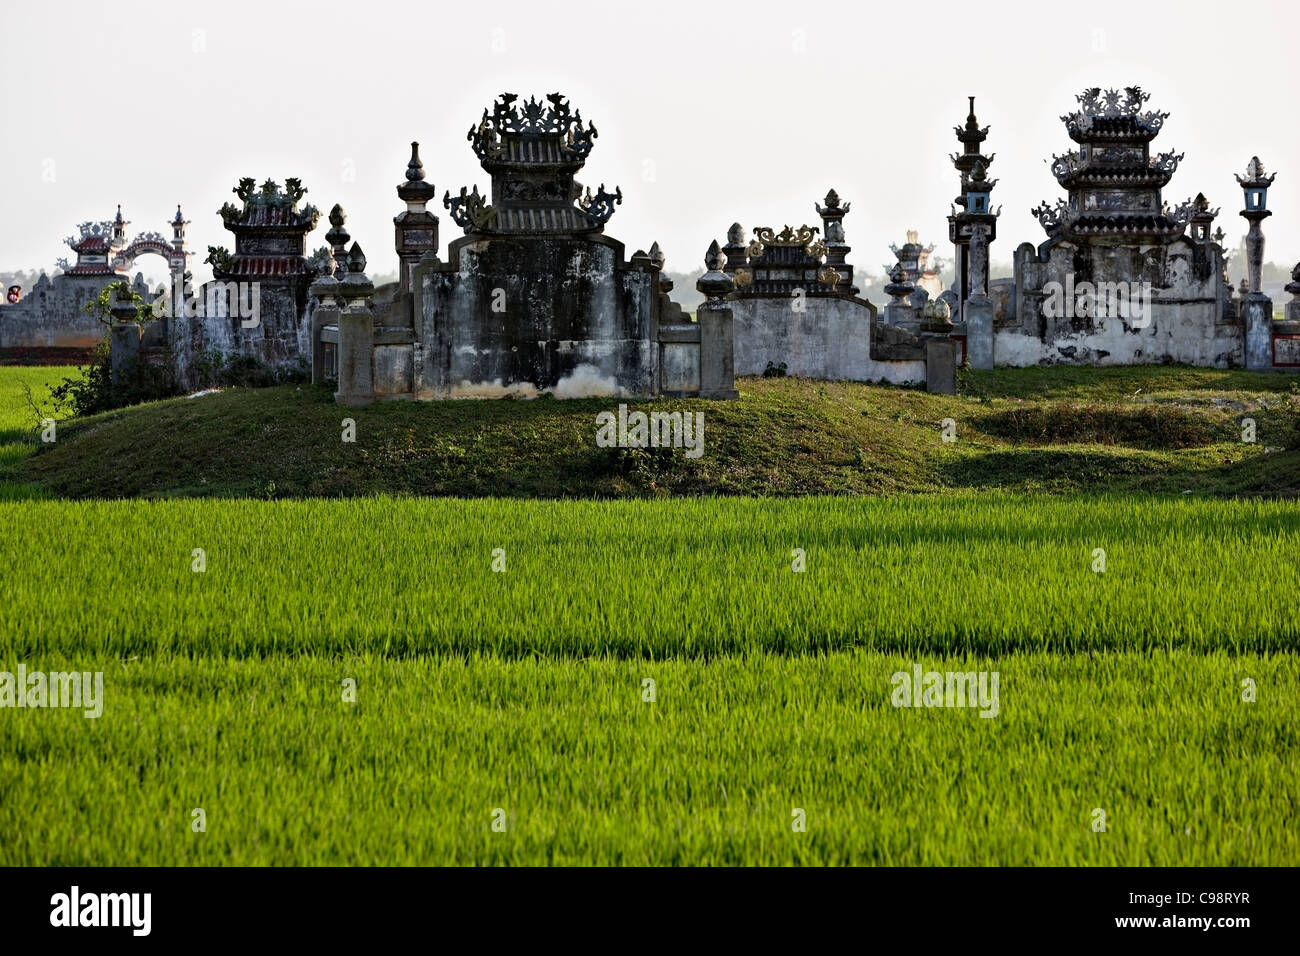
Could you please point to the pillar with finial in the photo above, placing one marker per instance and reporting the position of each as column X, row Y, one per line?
column 177, row 268
column 1254, row 187
column 837, row 250
column 119, row 228
column 416, row 228
column 356, row 334
column 972, row 205
column 179, row 222
column 717, row 334
column 325, row 290
column 1256, row 307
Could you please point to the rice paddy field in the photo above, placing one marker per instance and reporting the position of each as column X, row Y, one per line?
column 522, row 692
column 414, row 680
column 17, row 417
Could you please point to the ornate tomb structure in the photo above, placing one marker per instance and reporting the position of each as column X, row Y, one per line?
column 1120, row 280
column 534, row 298
column 797, row 309
column 257, row 303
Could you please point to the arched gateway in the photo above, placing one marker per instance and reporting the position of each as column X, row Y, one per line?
column 52, row 313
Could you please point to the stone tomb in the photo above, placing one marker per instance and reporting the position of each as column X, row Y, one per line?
column 534, row 298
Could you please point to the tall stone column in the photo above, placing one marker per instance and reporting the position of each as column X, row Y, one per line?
column 978, row 309
column 326, row 291
column 124, row 343
column 717, row 332
column 416, row 229
column 356, row 335
column 1256, row 308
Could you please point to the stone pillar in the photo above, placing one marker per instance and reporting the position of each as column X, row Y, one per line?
column 1254, row 186
column 978, row 310
column 416, row 229
column 717, row 334
column 180, row 328
column 941, row 366
column 326, row 291
column 979, row 332
column 356, row 335
column 124, row 337
column 979, row 262
column 126, row 351
column 1257, row 315
column 1255, row 255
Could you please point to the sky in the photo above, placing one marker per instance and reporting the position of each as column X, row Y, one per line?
column 707, row 113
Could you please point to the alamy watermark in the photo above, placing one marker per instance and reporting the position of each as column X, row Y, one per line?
column 1130, row 301
column 236, row 300
column 80, row 689
column 129, row 910
column 946, row 689
column 653, row 430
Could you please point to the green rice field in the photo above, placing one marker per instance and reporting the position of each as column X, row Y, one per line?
column 521, row 693
column 402, row 679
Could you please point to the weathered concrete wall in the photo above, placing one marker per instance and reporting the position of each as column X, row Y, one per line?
column 1185, row 322
column 50, row 313
column 830, row 339
column 679, row 368
column 280, row 337
column 518, row 316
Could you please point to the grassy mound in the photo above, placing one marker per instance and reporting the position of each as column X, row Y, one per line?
column 1169, row 430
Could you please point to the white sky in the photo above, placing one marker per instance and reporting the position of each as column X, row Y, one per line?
column 707, row 113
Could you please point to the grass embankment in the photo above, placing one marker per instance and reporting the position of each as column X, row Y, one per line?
column 1163, row 430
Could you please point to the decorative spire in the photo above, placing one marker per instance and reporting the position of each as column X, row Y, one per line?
column 355, row 287
column 356, row 260
column 971, row 134
column 1255, row 174
column 900, row 286
column 338, row 236
column 414, row 168
column 715, row 284
column 414, row 191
